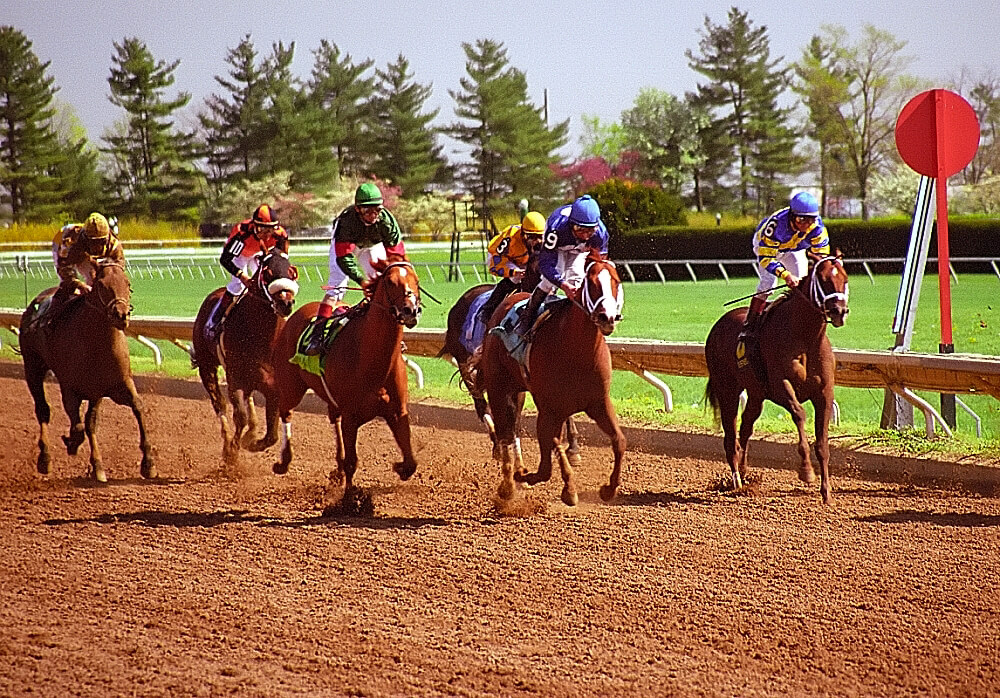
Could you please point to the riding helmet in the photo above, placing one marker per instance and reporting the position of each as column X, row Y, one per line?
column 533, row 223
column 804, row 204
column 368, row 195
column 265, row 217
column 585, row 212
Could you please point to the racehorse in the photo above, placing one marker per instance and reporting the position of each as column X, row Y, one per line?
column 243, row 349
column 363, row 374
column 86, row 348
column 798, row 366
column 568, row 370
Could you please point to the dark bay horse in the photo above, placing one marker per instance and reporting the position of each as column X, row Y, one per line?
column 86, row 348
column 568, row 371
column 798, row 367
column 243, row 349
column 363, row 372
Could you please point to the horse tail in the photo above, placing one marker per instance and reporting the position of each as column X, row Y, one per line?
column 712, row 399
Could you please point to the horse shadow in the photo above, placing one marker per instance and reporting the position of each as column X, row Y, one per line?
column 151, row 518
column 949, row 519
column 652, row 499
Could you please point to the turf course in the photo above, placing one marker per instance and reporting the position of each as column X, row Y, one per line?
column 676, row 311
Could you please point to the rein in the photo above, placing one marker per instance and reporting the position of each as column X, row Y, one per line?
column 818, row 296
column 394, row 309
column 108, row 306
column 591, row 304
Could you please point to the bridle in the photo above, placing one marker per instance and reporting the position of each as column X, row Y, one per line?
column 398, row 310
column 818, row 295
column 110, row 305
column 271, row 289
column 591, row 304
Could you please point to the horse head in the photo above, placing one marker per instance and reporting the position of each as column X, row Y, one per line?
column 602, row 294
column 112, row 293
column 275, row 279
column 397, row 289
column 828, row 289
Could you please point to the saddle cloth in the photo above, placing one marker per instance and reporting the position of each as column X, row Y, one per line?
column 474, row 328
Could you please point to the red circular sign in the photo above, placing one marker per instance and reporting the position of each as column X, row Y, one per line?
column 937, row 133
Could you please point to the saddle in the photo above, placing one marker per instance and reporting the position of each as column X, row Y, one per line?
column 314, row 364
column 517, row 345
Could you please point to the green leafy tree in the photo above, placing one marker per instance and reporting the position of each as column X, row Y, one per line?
column 877, row 87
column 339, row 88
column 983, row 94
column 663, row 130
column 29, row 149
column 402, row 140
column 743, row 83
column 513, row 151
column 152, row 171
column 606, row 141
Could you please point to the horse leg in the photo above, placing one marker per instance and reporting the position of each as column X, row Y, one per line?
column 337, row 476
column 754, row 406
column 798, row 412
column 573, row 443
column 210, row 379
column 607, row 421
column 290, row 393
column 270, row 423
column 503, row 453
column 71, row 404
column 729, row 405
column 547, row 430
column 824, row 409
column 518, row 453
column 400, row 426
column 349, row 431
column 129, row 397
column 96, row 464
column 238, row 400
column 250, row 431
column 34, row 373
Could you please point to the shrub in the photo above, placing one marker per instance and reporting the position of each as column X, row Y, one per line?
column 628, row 205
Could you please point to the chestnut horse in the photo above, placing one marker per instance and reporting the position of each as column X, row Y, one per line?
column 798, row 366
column 243, row 349
column 568, row 371
column 363, row 372
column 86, row 348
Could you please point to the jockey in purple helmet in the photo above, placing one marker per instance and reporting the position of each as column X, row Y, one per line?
column 570, row 233
column 780, row 243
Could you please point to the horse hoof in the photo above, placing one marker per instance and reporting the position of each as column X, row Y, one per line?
column 405, row 470
column 44, row 463
column 72, row 444
column 147, row 469
column 505, row 490
column 575, row 459
column 569, row 497
column 608, row 492
column 357, row 502
column 98, row 474
column 280, row 468
column 807, row 474
column 261, row 445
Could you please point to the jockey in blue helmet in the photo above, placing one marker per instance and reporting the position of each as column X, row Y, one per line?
column 570, row 233
column 780, row 242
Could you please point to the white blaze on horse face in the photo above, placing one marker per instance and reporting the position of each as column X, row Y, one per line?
column 609, row 302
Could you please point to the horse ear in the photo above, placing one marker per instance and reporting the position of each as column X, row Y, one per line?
column 838, row 254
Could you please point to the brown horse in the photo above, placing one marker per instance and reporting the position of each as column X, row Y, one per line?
column 363, row 372
column 243, row 349
column 466, row 362
column 86, row 348
column 568, row 371
column 798, row 366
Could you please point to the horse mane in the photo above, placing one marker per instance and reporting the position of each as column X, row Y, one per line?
column 380, row 265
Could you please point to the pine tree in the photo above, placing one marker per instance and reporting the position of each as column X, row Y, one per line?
column 513, row 150
column 342, row 94
column 743, row 84
column 28, row 146
column 233, row 124
column 153, row 172
column 401, row 138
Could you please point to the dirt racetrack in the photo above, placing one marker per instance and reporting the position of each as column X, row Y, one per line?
column 219, row 580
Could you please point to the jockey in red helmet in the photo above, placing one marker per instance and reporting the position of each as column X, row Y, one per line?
column 248, row 241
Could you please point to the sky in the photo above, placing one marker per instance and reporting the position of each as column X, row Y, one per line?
column 587, row 57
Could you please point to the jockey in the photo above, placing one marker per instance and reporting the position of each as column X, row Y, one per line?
column 68, row 234
column 571, row 232
column 509, row 253
column 780, row 242
column 368, row 227
column 82, row 248
column 248, row 241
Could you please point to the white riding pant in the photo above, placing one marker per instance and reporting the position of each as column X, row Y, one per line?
column 794, row 261
column 235, row 286
column 336, row 284
column 571, row 265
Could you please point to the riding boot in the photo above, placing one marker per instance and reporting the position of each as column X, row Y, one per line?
column 752, row 322
column 530, row 312
column 215, row 321
column 500, row 291
column 317, row 330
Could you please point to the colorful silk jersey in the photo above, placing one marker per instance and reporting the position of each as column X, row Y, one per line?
column 350, row 232
column 508, row 255
column 774, row 234
column 559, row 238
column 243, row 244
